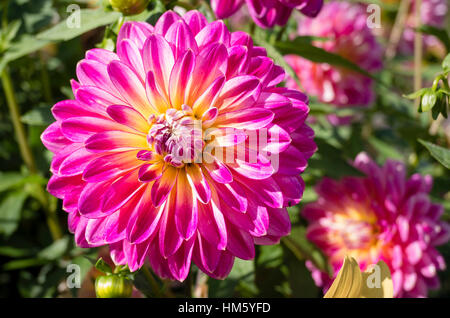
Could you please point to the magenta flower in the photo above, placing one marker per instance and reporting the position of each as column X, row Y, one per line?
column 434, row 13
column 181, row 147
column 383, row 216
column 344, row 25
column 267, row 13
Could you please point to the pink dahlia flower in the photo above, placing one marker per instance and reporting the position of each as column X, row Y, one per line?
column 383, row 216
column 345, row 26
column 267, row 13
column 179, row 147
column 434, row 13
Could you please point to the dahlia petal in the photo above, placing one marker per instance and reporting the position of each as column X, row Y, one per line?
column 238, row 58
column 215, row 32
column 209, row 96
column 79, row 129
column 101, row 55
column 169, row 240
column 218, row 171
column 122, row 190
column 211, row 225
column 213, row 58
column 110, row 165
column 224, row 9
column 166, row 21
column 240, row 243
column 96, row 99
column 76, row 162
column 158, row 101
column 129, row 86
column 162, row 186
column 233, row 195
column 158, row 58
column 198, row 183
column 53, row 139
column 253, row 118
column 130, row 54
column 144, row 220
column 279, row 222
column 195, row 20
column 61, row 186
column 181, row 39
column 206, row 254
column 135, row 254
column 115, row 140
column 94, row 73
column 128, row 116
column 70, row 108
column 134, row 31
column 181, row 73
column 186, row 210
column 150, row 172
column 180, row 262
column 89, row 203
column 239, row 92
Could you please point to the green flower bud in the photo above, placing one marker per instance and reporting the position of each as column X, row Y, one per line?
column 129, row 7
column 113, row 286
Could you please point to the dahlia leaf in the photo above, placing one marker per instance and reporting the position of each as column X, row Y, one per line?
column 439, row 153
column 10, row 212
column 89, row 20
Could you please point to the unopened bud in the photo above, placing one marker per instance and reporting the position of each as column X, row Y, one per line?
column 129, row 7
column 113, row 286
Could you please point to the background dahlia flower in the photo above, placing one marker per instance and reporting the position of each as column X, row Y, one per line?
column 267, row 13
column 432, row 12
column 345, row 26
column 131, row 162
column 383, row 216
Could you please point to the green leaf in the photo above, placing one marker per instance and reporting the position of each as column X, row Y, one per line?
column 318, row 55
column 428, row 100
column 416, row 94
column 26, row 45
column 89, row 20
column 102, row 266
column 10, row 179
column 56, row 250
column 446, row 63
column 24, row 263
column 385, row 149
column 439, row 153
column 10, row 212
column 243, row 272
column 441, row 34
column 40, row 116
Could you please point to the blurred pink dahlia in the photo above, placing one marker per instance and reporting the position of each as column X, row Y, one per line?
column 344, row 25
column 267, row 13
column 432, row 12
column 179, row 147
column 383, row 216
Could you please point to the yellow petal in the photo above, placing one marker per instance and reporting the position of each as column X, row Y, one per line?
column 377, row 282
column 348, row 281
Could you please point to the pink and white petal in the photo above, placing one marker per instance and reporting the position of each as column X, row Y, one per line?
column 195, row 20
column 121, row 191
column 181, row 39
column 158, row 59
column 179, row 78
column 101, row 55
column 239, row 93
column 198, row 183
column 128, row 116
column 115, row 141
column 169, row 240
column 186, row 209
column 134, row 31
column 131, row 55
column 129, row 86
column 161, row 187
column 111, row 165
column 214, row 32
column 253, row 118
column 180, row 262
column 144, row 220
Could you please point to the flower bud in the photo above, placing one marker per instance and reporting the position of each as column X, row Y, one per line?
column 113, row 286
column 129, row 7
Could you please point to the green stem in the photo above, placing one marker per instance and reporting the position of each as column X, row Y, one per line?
column 45, row 80
column 18, row 126
column 27, row 155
